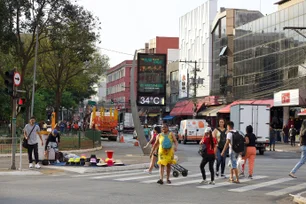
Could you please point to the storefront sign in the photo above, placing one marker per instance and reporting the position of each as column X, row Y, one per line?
column 287, row 98
column 151, row 88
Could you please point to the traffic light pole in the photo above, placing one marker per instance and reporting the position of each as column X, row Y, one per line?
column 13, row 125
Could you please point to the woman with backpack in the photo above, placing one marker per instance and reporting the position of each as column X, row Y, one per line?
column 156, row 131
column 220, row 134
column 167, row 144
column 209, row 156
column 250, row 154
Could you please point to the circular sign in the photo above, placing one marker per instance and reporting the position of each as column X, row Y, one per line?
column 17, row 79
column 194, row 114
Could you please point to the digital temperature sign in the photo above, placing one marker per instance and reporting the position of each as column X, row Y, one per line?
column 151, row 86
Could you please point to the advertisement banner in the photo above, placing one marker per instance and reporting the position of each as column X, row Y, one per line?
column 183, row 89
column 287, row 98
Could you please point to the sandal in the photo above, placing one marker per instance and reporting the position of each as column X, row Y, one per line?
column 237, row 182
column 160, row 182
column 168, row 182
column 230, row 180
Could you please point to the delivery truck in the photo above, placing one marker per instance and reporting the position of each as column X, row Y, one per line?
column 256, row 115
column 128, row 124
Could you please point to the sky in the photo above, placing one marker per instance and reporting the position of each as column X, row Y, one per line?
column 128, row 24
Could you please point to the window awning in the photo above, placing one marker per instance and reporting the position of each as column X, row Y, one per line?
column 227, row 109
column 303, row 113
column 186, row 107
column 211, row 111
column 168, row 117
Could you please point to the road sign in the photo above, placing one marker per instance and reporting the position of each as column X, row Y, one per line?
column 17, row 79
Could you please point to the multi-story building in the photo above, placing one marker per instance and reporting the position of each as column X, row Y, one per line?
column 160, row 45
column 195, row 45
column 118, row 85
column 223, row 48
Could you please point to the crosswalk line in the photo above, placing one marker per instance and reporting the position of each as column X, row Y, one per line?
column 174, row 179
column 105, row 173
column 260, row 185
column 135, row 178
column 228, row 183
column 118, row 175
column 287, row 190
column 194, row 181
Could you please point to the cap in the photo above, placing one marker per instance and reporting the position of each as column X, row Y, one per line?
column 55, row 131
column 208, row 129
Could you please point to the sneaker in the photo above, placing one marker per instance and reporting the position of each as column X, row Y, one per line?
column 147, row 171
column 204, row 182
column 57, row 161
column 292, row 175
column 223, row 176
column 37, row 166
column 212, row 183
column 217, row 174
column 31, row 166
column 160, row 182
column 250, row 177
column 241, row 174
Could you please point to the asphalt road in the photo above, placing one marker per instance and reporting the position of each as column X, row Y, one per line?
column 271, row 184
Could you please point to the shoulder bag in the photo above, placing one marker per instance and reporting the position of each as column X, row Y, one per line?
column 25, row 141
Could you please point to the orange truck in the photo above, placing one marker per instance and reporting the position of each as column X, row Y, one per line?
column 105, row 121
column 191, row 130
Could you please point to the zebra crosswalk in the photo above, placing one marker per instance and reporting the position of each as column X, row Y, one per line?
column 270, row 186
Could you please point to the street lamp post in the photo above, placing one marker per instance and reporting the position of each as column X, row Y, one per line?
column 34, row 74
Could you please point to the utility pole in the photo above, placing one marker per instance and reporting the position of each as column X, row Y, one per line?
column 13, row 124
column 34, row 74
column 194, row 83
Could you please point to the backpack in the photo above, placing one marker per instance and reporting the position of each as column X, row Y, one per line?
column 237, row 142
column 202, row 150
column 166, row 144
column 222, row 140
column 293, row 132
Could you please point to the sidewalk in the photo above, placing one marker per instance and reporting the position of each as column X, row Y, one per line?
column 281, row 147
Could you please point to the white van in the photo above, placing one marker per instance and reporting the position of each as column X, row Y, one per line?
column 192, row 130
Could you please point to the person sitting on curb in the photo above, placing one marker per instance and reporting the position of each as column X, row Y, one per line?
column 53, row 142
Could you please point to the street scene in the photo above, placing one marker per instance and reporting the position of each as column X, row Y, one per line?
column 176, row 102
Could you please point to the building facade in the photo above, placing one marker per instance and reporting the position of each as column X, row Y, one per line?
column 223, row 48
column 160, row 45
column 195, row 45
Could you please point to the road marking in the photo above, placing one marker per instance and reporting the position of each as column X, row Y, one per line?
column 134, row 178
column 118, row 175
column 287, row 190
column 105, row 173
column 228, row 183
column 260, row 185
column 175, row 178
column 195, row 181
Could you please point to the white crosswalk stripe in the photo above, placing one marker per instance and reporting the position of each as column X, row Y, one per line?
column 174, row 179
column 119, row 175
column 105, row 173
column 228, row 183
column 134, row 178
column 288, row 190
column 193, row 181
column 260, row 185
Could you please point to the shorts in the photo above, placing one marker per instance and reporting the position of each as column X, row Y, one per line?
column 272, row 141
column 53, row 145
column 233, row 158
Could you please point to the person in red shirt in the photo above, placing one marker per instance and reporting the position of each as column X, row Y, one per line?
column 211, row 148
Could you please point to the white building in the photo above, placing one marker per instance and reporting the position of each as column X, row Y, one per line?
column 196, row 45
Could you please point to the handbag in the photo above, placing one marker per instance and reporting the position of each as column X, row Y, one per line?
column 202, row 150
column 25, row 141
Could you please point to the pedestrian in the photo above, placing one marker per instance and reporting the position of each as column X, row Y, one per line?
column 53, row 142
column 156, row 132
column 167, row 144
column 292, row 134
column 272, row 138
column 303, row 150
column 220, row 134
column 210, row 156
column 146, row 132
column 233, row 155
column 30, row 133
column 250, row 141
column 286, row 133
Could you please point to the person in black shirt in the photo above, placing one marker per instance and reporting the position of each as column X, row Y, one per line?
column 250, row 140
column 53, row 142
column 303, row 150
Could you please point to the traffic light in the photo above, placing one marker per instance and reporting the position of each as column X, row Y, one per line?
column 112, row 101
column 9, row 82
column 21, row 101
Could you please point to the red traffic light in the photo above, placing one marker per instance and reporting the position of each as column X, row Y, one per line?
column 21, row 101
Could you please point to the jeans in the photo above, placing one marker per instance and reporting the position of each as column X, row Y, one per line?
column 221, row 161
column 147, row 138
column 30, row 151
column 302, row 160
column 233, row 157
column 208, row 159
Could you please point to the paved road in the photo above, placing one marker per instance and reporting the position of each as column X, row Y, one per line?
column 271, row 184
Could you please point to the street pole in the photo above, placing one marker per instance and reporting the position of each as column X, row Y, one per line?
column 13, row 124
column 34, row 74
column 135, row 114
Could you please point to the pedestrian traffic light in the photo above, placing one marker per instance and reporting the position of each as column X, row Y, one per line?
column 21, row 101
column 9, row 82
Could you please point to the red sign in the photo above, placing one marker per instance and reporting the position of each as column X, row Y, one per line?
column 285, row 98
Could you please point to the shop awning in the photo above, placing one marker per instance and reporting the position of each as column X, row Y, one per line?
column 303, row 113
column 168, row 117
column 211, row 111
column 186, row 107
column 227, row 108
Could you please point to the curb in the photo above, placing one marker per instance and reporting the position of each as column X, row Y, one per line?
column 298, row 198
column 20, row 173
column 66, row 151
column 84, row 170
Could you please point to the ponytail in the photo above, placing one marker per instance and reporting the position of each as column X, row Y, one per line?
column 211, row 139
